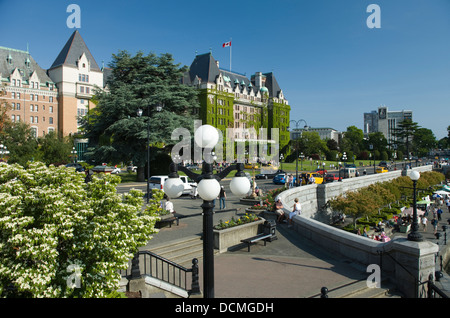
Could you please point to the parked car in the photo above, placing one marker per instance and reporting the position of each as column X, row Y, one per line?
column 251, row 166
column 116, row 170
column 131, row 168
column 384, row 164
column 77, row 166
column 157, row 182
column 318, row 178
column 321, row 171
column 381, row 170
column 269, row 175
column 331, row 178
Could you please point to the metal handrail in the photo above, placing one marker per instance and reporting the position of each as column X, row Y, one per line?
column 165, row 270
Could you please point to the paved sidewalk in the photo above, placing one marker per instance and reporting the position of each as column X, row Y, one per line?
column 289, row 267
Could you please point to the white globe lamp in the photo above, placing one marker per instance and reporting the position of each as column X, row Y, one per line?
column 240, row 186
column 206, row 136
column 173, row 187
column 414, row 175
column 208, row 189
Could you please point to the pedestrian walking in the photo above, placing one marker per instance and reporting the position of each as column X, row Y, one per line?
column 439, row 213
column 222, row 197
column 424, row 223
column 434, row 222
column 291, row 181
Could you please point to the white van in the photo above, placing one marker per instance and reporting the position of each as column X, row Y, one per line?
column 347, row 172
column 157, row 182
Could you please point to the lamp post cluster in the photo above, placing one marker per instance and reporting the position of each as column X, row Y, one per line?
column 297, row 123
column 208, row 189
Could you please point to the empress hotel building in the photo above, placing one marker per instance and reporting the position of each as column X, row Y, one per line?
column 53, row 99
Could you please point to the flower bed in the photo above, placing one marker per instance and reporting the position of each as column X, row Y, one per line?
column 231, row 234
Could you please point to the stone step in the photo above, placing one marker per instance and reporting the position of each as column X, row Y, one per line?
column 180, row 251
column 359, row 289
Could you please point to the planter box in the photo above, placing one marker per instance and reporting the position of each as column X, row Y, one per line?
column 224, row 239
column 251, row 202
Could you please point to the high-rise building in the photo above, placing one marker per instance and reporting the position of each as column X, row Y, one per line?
column 232, row 100
column 385, row 121
column 29, row 91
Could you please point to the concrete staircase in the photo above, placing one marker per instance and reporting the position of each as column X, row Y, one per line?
column 180, row 251
column 359, row 289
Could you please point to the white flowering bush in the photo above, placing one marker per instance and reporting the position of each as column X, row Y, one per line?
column 61, row 237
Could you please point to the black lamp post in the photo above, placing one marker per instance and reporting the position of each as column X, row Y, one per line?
column 297, row 123
column 158, row 108
column 208, row 190
column 414, row 235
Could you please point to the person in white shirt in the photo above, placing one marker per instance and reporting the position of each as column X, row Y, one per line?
column 168, row 206
column 296, row 210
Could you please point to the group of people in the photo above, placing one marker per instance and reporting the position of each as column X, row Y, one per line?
column 284, row 215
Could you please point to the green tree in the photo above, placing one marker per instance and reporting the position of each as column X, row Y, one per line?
column 424, row 140
column 404, row 135
column 352, row 140
column 54, row 149
column 21, row 142
column 116, row 133
column 310, row 143
column 53, row 225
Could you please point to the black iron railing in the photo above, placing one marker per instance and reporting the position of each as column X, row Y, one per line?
column 153, row 265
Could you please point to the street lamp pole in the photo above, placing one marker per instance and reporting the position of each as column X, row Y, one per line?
column 208, row 190
column 297, row 123
column 139, row 112
column 414, row 235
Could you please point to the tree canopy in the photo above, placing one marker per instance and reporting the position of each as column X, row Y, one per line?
column 57, row 230
column 116, row 133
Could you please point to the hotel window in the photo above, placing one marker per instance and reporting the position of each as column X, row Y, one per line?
column 51, row 109
column 13, row 118
column 50, row 120
column 32, row 119
column 36, row 119
column 13, row 106
column 18, row 95
column 18, row 106
column 17, row 117
column 31, row 97
column 13, row 95
column 50, row 99
column 81, row 89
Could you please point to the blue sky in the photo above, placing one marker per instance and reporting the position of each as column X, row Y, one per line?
column 331, row 66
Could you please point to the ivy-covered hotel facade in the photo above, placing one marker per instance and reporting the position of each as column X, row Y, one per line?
column 231, row 100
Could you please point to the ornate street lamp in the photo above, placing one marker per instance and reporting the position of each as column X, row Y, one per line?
column 297, row 122
column 74, row 155
column 158, row 108
column 208, row 190
column 414, row 235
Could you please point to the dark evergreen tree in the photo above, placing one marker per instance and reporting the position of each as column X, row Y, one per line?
column 116, row 133
column 404, row 134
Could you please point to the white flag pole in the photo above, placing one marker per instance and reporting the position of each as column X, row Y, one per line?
column 231, row 44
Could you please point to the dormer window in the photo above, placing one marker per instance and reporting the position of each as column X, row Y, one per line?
column 27, row 62
column 9, row 59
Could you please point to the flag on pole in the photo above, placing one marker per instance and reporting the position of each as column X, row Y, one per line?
column 226, row 44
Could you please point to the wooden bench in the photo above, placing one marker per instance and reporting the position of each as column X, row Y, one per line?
column 259, row 237
column 168, row 218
